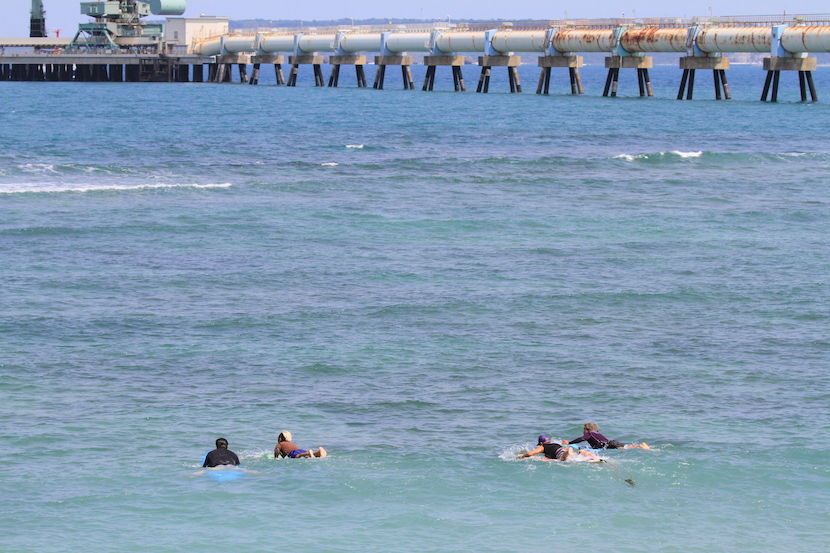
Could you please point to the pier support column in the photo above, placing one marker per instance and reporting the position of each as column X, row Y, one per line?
column 132, row 73
column 406, row 70
column 804, row 66
column 219, row 73
column 116, row 73
column 260, row 59
column 488, row 62
column 641, row 63
column 718, row 65
column 358, row 61
column 456, row 62
column 224, row 68
column 36, row 72
column 306, row 59
column 573, row 63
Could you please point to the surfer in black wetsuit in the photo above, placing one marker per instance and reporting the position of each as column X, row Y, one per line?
column 555, row 451
column 221, row 455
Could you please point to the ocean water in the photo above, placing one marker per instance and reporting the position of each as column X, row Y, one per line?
column 422, row 283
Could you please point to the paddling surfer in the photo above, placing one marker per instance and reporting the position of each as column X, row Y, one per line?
column 286, row 448
column 221, row 455
column 556, row 452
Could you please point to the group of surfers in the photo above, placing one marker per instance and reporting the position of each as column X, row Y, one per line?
column 557, row 451
column 545, row 445
column 222, row 456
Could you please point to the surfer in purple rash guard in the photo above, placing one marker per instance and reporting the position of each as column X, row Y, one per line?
column 598, row 441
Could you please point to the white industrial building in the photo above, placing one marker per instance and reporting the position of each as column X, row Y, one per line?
column 181, row 32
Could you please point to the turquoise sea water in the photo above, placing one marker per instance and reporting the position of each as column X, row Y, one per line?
column 422, row 283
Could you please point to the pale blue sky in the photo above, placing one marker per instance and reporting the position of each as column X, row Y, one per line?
column 65, row 14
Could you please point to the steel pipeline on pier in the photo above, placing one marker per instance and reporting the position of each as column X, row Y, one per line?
column 702, row 45
column 712, row 40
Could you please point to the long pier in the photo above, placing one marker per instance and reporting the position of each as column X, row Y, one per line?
column 702, row 45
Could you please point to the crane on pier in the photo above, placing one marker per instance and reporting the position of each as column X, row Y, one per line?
column 37, row 23
column 118, row 25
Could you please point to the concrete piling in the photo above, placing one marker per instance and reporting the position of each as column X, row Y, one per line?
column 456, row 62
column 306, row 59
column 406, row 70
column 488, row 62
column 357, row 60
column 573, row 63
column 641, row 63
column 258, row 59
column 804, row 66
column 718, row 65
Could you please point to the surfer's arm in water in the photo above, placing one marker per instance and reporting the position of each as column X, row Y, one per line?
column 536, row 451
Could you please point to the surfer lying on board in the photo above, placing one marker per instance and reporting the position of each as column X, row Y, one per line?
column 286, row 448
column 598, row 441
column 558, row 452
column 221, row 455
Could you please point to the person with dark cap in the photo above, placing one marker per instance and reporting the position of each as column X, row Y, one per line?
column 221, row 455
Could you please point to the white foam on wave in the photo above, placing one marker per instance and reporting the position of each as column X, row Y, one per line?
column 28, row 187
column 684, row 155
column 357, row 146
column 330, row 164
column 37, row 168
column 510, row 454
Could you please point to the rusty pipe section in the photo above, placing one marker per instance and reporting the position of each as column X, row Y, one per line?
column 795, row 40
column 734, row 39
column 583, row 40
column 654, row 40
column 806, row 39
